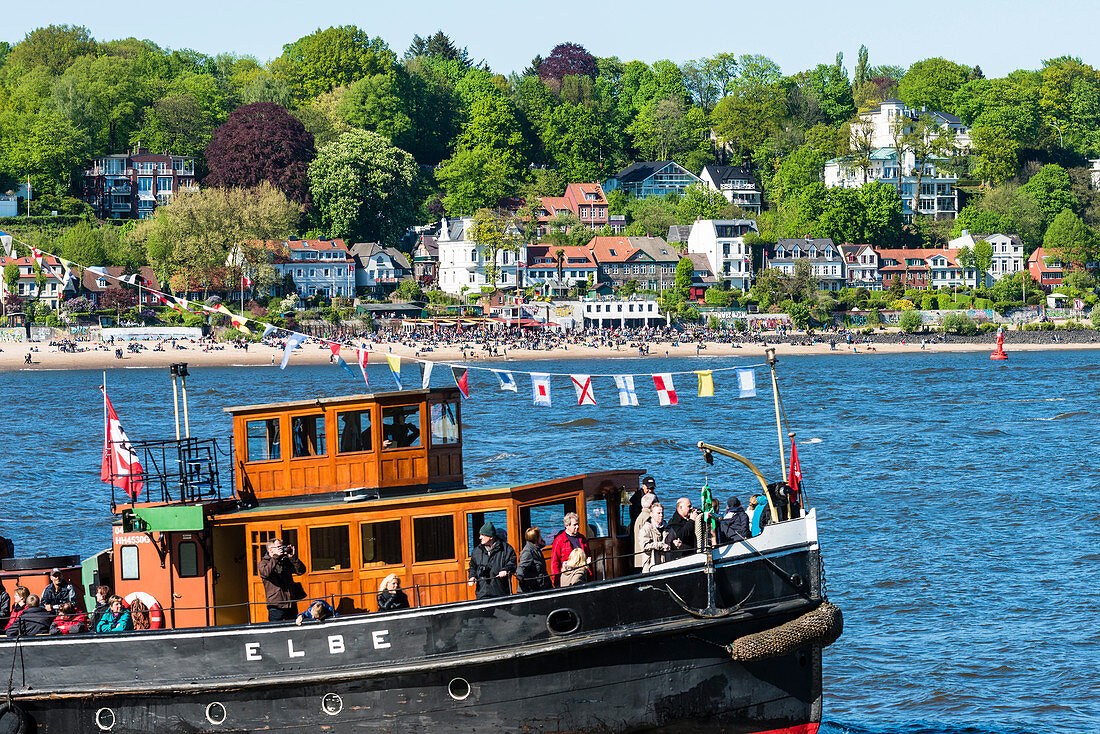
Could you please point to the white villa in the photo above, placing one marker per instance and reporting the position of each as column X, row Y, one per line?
column 462, row 261
column 823, row 256
column 723, row 242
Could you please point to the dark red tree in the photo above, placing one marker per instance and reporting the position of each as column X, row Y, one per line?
column 261, row 142
column 567, row 59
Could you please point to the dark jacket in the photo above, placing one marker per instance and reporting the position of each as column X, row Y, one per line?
column 101, row 608
column 531, row 571
column 736, row 527
column 683, row 528
column 388, row 602
column 55, row 598
column 278, row 576
column 33, row 621
column 5, row 608
column 487, row 562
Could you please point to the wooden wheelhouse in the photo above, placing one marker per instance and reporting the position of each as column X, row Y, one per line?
column 363, row 486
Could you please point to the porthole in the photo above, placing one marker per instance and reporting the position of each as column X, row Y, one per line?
column 459, row 688
column 332, row 704
column 563, row 621
column 215, row 713
column 105, row 719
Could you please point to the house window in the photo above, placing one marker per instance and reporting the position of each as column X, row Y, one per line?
column 433, row 538
column 164, row 183
column 381, row 543
column 329, row 548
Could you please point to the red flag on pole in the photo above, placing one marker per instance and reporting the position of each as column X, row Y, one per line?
column 120, row 463
column 795, row 478
column 460, row 375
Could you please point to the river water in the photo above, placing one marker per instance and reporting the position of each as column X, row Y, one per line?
column 957, row 500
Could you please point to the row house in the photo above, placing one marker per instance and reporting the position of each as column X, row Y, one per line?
column 44, row 280
column 132, row 185
column 882, row 121
column 1047, row 271
column 921, row 268
column 822, row 255
column 861, row 265
column 426, row 260
column 378, row 269
column 94, row 283
column 317, row 267
column 938, row 196
column 577, row 265
column 736, row 183
column 652, row 178
column 702, row 275
column 1008, row 253
column 723, row 242
column 586, row 201
column 648, row 261
column 462, row 261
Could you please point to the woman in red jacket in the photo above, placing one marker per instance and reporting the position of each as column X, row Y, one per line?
column 564, row 543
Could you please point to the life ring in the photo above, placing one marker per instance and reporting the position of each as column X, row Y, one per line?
column 156, row 613
column 13, row 719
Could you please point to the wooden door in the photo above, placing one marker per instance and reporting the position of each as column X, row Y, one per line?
column 190, row 602
column 230, row 575
column 258, row 536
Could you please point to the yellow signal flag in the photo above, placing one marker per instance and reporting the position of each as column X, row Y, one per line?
column 706, row 383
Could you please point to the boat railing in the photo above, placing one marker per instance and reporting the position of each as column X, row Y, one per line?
column 173, row 471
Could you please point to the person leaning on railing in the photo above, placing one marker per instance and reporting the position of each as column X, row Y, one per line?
column 531, row 572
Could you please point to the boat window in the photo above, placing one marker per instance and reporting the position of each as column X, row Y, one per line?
column 354, row 430
column 433, row 538
column 260, row 539
column 381, row 543
column 129, row 557
column 329, row 548
column 400, row 426
column 595, row 510
column 189, row 559
column 548, row 517
column 474, row 521
column 308, row 432
column 444, row 423
column 263, row 440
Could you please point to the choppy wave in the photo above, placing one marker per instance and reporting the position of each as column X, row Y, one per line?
column 578, row 423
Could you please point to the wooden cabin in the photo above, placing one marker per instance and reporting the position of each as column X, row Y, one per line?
column 363, row 486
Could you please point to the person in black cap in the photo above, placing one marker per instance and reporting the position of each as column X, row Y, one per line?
column 57, row 592
column 734, row 525
column 648, row 486
column 492, row 561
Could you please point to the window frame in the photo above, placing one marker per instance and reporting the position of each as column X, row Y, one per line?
column 123, row 562
column 199, row 571
column 322, row 422
column 363, row 563
column 247, row 445
column 415, row 536
column 312, row 556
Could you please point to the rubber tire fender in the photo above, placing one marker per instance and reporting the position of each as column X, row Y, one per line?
column 13, row 719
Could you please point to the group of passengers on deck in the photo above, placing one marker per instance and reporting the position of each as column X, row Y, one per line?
column 57, row 611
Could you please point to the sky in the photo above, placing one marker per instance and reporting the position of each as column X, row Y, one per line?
column 796, row 34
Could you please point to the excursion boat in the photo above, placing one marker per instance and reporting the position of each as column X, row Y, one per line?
column 727, row 639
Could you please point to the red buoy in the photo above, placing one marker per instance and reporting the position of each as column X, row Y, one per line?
column 1000, row 352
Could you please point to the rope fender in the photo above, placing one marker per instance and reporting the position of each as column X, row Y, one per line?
column 820, row 626
column 13, row 720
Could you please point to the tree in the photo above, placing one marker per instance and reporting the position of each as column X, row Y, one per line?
column 331, row 58
column 863, row 137
column 559, row 258
column 437, row 46
column 996, row 155
column 927, row 140
column 932, row 83
column 798, row 170
column 363, row 188
column 754, row 107
column 700, row 202
column 192, row 236
column 409, row 290
column 103, row 97
column 261, row 142
column 1069, row 240
column 44, row 147
column 54, row 48
column 495, row 232
column 983, row 260
column 11, row 282
column 910, row 321
column 490, row 161
column 967, row 261
column 1051, row 190
column 567, row 59
column 862, row 72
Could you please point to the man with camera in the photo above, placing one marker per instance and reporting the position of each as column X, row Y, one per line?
column 681, row 528
column 277, row 569
column 492, row 561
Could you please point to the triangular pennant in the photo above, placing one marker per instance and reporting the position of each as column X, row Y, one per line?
column 746, row 383
column 364, row 354
column 666, row 392
column 460, row 375
column 540, row 389
column 395, row 368
column 426, row 374
column 507, row 381
column 293, row 342
column 333, row 347
column 627, row 396
column 344, row 366
column 268, row 329
column 583, row 385
column 706, row 383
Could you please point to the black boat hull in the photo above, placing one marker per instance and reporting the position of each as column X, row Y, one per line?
column 621, row 656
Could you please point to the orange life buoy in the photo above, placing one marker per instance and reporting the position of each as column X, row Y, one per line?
column 156, row 613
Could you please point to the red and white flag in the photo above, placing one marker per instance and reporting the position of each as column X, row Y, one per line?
column 583, row 385
column 363, row 355
column 540, row 389
column 795, row 478
column 666, row 392
column 246, row 283
column 461, row 375
column 120, row 462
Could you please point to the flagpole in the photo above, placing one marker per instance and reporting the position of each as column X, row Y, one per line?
column 770, row 352
column 106, row 446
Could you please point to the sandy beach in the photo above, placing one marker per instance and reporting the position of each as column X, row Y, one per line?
column 99, row 356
